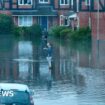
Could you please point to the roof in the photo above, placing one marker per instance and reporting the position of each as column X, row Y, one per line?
column 8, row 86
column 41, row 11
column 71, row 14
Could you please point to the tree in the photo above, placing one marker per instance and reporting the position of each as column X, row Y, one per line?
column 6, row 24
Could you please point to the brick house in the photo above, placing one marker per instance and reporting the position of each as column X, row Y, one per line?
column 92, row 13
column 74, row 13
column 47, row 13
column 44, row 12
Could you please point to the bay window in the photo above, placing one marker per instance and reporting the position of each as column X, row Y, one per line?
column 25, row 21
column 64, row 2
column 43, row 1
column 25, row 2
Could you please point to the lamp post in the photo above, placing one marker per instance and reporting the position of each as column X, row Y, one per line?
column 98, row 16
column 97, row 32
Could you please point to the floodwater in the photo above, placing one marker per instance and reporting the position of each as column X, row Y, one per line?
column 77, row 76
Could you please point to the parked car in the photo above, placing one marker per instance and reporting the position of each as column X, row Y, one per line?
column 15, row 94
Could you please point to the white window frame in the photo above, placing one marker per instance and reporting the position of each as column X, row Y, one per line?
column 24, row 21
column 72, row 3
column 24, row 3
column 90, row 22
column 62, row 17
column 64, row 2
column 78, row 22
column 87, row 2
column 43, row 1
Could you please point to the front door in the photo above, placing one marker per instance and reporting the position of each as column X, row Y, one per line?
column 43, row 22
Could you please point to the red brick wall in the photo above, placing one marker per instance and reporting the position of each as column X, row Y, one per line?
column 84, row 21
column 56, row 3
column 25, row 6
column 101, row 25
column 5, row 12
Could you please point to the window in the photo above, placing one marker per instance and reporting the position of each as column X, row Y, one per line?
column 64, row 21
column 25, row 2
column 25, row 20
column 64, row 2
column 61, row 20
column 87, row 2
column 43, row 1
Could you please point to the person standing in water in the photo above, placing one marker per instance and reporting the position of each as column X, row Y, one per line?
column 49, row 54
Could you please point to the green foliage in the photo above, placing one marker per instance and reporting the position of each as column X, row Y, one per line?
column 81, row 34
column 65, row 32
column 18, row 31
column 35, row 30
column 55, row 31
column 73, row 35
column 6, row 24
column 32, row 32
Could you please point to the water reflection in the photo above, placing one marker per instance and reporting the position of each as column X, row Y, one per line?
column 74, row 78
column 25, row 54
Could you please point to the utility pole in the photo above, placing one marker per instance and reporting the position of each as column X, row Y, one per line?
column 78, row 5
column 98, row 22
column 98, row 16
column 89, row 4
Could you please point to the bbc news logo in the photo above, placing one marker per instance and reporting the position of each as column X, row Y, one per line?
column 6, row 93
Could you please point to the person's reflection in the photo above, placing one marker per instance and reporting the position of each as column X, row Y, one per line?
column 49, row 80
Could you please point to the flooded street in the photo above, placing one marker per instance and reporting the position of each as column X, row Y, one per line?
column 77, row 76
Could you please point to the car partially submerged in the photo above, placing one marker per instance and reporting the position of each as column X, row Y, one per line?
column 15, row 94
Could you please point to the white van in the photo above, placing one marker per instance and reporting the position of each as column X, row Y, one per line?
column 15, row 94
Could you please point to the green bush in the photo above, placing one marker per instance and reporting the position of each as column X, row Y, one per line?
column 6, row 24
column 55, row 31
column 81, row 34
column 26, row 31
column 18, row 31
column 35, row 30
column 65, row 32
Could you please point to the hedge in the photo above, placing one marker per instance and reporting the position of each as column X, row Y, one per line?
column 67, row 33
column 33, row 31
column 6, row 24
